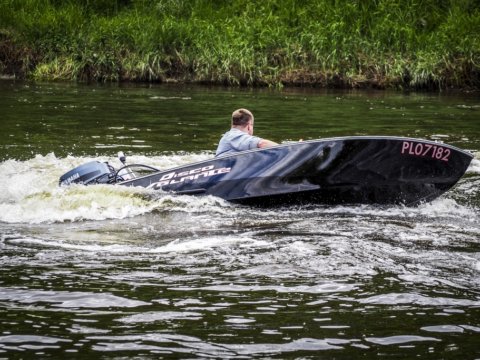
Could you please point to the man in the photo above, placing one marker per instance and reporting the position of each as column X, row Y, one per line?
column 240, row 136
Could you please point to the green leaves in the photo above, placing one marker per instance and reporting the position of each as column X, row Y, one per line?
column 381, row 43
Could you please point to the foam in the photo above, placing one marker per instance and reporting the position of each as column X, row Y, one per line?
column 30, row 192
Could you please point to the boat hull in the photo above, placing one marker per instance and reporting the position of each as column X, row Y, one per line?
column 349, row 170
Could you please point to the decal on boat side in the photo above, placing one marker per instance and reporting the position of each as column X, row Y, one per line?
column 194, row 174
column 426, row 150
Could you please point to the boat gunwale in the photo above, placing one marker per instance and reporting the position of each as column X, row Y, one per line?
column 298, row 143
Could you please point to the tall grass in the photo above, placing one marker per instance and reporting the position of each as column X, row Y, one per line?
column 343, row 43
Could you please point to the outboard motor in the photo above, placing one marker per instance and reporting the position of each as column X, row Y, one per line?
column 93, row 172
column 96, row 172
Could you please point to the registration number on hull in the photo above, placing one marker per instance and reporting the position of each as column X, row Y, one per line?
column 426, row 150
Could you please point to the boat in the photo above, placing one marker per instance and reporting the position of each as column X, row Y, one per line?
column 341, row 170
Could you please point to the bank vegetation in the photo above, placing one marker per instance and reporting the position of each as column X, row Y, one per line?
column 421, row 44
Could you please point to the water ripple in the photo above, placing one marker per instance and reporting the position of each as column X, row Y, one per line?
column 65, row 299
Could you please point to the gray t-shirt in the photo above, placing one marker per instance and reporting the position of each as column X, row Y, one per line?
column 236, row 140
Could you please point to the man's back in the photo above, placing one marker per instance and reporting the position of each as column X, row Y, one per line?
column 236, row 140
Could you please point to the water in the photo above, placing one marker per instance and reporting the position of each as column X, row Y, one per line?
column 107, row 272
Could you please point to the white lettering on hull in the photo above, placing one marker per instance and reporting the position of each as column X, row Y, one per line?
column 186, row 176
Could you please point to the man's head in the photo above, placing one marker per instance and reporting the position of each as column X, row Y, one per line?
column 243, row 119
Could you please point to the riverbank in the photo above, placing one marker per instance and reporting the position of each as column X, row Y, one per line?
column 376, row 44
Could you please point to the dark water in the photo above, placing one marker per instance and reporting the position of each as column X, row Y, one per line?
column 106, row 272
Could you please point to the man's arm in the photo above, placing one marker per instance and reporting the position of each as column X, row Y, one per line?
column 264, row 143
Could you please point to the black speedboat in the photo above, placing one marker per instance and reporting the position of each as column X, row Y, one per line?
column 345, row 170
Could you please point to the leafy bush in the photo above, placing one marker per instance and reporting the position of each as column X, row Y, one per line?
column 348, row 43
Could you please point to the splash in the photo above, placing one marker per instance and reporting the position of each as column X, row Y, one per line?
column 31, row 193
column 76, row 203
column 474, row 167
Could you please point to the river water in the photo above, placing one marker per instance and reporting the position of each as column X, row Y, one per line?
column 115, row 273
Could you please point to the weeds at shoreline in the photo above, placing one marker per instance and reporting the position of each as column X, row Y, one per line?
column 382, row 44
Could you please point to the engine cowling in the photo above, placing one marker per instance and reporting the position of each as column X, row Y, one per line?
column 93, row 172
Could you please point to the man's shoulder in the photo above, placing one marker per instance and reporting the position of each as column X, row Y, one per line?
column 234, row 131
column 236, row 140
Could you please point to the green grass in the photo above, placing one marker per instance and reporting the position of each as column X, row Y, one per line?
column 350, row 43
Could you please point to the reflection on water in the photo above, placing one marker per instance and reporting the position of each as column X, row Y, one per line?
column 117, row 272
column 101, row 120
